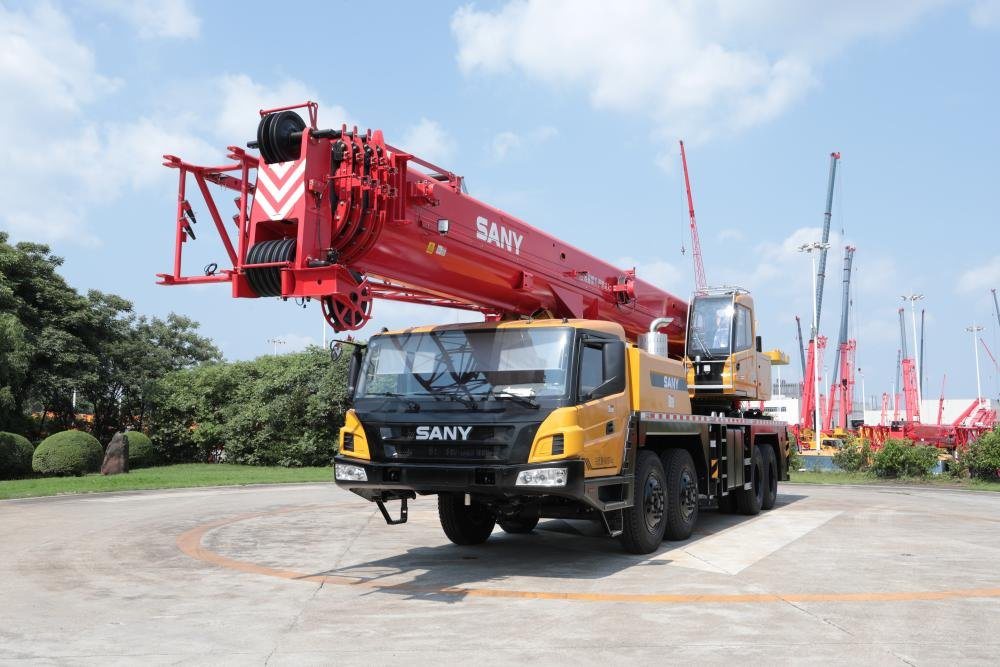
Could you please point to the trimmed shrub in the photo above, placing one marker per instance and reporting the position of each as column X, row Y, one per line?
column 900, row 458
column 141, row 453
column 853, row 457
column 15, row 455
column 983, row 457
column 68, row 453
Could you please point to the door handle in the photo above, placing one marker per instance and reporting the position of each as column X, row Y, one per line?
column 609, row 428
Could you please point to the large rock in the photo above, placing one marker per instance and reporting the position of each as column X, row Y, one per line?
column 116, row 456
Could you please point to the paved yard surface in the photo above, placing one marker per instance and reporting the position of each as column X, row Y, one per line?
column 312, row 575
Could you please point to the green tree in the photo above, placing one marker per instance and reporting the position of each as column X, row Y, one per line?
column 283, row 410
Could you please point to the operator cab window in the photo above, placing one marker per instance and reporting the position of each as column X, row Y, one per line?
column 744, row 330
column 591, row 369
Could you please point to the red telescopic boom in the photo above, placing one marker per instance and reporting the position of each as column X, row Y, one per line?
column 343, row 217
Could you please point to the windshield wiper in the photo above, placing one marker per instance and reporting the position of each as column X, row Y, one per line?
column 411, row 405
column 701, row 343
column 440, row 395
column 517, row 398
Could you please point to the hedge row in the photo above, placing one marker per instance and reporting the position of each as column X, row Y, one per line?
column 67, row 453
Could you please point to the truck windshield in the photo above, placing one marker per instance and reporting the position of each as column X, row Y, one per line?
column 514, row 364
column 710, row 326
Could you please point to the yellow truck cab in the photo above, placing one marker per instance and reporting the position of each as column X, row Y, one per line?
column 510, row 422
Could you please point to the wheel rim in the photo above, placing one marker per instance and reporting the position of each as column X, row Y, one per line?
column 688, row 496
column 653, row 501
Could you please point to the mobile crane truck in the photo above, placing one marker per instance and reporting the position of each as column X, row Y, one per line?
column 586, row 393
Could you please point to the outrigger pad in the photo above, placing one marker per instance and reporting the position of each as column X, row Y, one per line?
column 385, row 513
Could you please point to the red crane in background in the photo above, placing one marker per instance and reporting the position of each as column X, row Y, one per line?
column 941, row 400
column 814, row 362
column 700, row 283
column 842, row 382
column 909, row 376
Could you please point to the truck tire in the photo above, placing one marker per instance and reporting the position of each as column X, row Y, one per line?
column 682, row 494
column 464, row 524
column 643, row 523
column 749, row 500
column 771, row 477
column 521, row 523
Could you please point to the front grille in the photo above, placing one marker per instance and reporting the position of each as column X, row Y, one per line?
column 445, row 451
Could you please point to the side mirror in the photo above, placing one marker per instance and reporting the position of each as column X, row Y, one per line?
column 336, row 350
column 760, row 345
column 614, row 370
column 354, row 371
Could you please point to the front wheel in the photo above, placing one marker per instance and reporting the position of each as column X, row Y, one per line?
column 643, row 524
column 465, row 524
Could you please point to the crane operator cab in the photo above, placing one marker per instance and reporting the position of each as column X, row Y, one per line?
column 723, row 350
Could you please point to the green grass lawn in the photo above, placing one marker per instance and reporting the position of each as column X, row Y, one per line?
column 938, row 481
column 164, row 477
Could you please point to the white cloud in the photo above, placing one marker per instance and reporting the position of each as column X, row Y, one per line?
column 662, row 274
column 985, row 13
column 156, row 18
column 68, row 163
column 695, row 69
column 429, row 141
column 507, row 142
column 241, row 98
column 730, row 235
column 983, row 277
column 44, row 69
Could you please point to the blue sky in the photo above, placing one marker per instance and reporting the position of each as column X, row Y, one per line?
column 562, row 114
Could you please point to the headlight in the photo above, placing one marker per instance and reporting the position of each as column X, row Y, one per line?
column 347, row 473
column 542, row 477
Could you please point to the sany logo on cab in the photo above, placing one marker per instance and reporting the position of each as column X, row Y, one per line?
column 443, row 432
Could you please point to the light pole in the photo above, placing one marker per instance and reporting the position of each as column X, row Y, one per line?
column 276, row 342
column 975, row 329
column 810, row 248
column 913, row 298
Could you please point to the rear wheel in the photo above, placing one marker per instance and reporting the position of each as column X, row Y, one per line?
column 464, row 524
column 749, row 500
column 682, row 494
column 771, row 477
column 643, row 523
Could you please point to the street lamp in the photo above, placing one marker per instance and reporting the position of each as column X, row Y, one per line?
column 975, row 329
column 276, row 342
column 913, row 298
column 810, row 248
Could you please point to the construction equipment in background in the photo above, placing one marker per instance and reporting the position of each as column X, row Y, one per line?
column 802, row 352
column 941, row 400
column 842, row 382
column 911, row 403
column 813, row 365
column 996, row 306
column 587, row 393
column 700, row 282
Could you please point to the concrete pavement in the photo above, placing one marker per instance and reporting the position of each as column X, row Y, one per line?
column 312, row 575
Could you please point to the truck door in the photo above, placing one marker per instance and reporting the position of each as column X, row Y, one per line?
column 744, row 357
column 604, row 407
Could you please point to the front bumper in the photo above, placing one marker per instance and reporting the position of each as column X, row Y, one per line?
column 394, row 480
